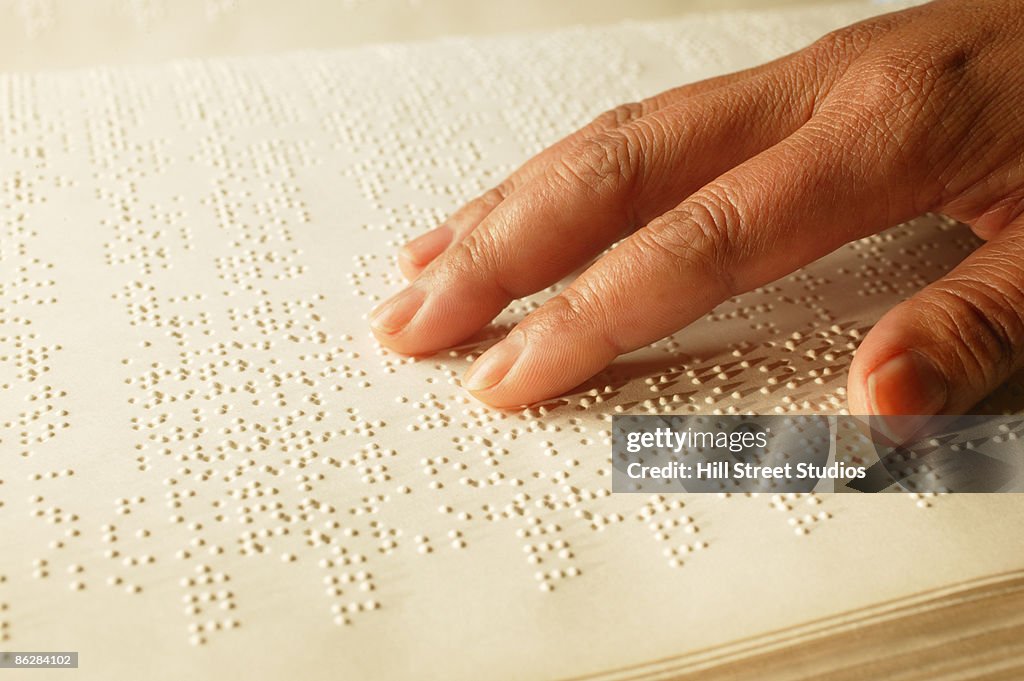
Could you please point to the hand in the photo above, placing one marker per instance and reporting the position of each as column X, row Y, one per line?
column 725, row 185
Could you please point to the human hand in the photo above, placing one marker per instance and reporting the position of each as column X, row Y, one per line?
column 728, row 184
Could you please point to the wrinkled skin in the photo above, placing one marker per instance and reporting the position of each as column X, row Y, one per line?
column 721, row 186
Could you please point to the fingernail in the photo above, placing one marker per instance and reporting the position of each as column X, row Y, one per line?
column 425, row 248
column 392, row 315
column 493, row 365
column 905, row 386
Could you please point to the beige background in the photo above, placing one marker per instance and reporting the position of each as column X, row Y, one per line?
column 44, row 34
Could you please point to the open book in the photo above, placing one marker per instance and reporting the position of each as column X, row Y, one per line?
column 209, row 469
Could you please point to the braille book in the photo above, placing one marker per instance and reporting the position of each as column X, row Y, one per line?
column 209, row 469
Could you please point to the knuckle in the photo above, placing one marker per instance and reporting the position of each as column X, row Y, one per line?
column 697, row 236
column 848, row 42
column 901, row 91
column 493, row 196
column 838, row 45
column 471, row 212
column 620, row 115
column 606, row 162
column 900, row 78
column 831, row 55
column 571, row 306
column 894, row 109
column 471, row 259
column 581, row 305
column 982, row 323
column 498, row 193
column 875, row 100
column 716, row 213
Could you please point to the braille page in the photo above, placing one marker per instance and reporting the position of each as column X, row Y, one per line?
column 209, row 468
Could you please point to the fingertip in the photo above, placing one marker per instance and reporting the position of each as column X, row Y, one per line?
column 394, row 322
column 908, row 383
column 529, row 367
column 494, row 377
column 495, row 364
column 893, row 374
column 857, row 382
column 395, row 313
column 433, row 313
column 498, row 401
column 900, row 395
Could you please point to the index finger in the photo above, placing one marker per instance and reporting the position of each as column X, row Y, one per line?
column 756, row 223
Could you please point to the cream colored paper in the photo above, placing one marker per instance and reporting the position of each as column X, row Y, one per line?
column 47, row 34
column 208, row 468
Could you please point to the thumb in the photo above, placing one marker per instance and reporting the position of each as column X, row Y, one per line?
column 944, row 349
